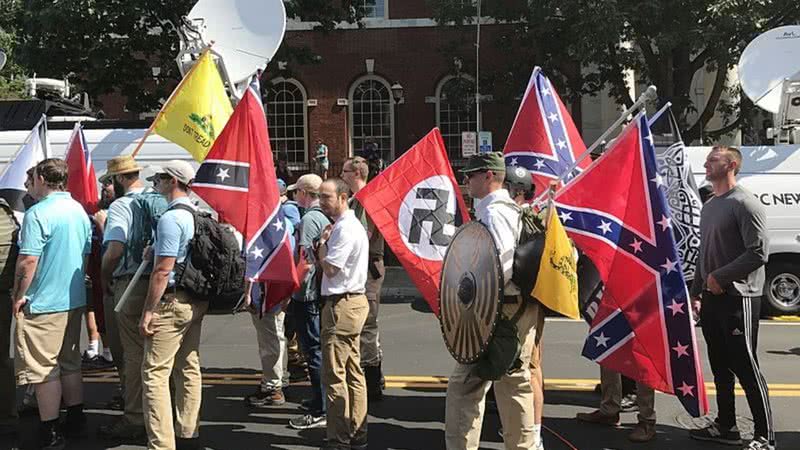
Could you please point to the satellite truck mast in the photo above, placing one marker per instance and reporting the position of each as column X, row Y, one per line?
column 769, row 72
column 241, row 46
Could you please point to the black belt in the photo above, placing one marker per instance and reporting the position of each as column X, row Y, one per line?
column 334, row 297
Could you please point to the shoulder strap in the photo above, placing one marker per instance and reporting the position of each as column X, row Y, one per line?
column 183, row 207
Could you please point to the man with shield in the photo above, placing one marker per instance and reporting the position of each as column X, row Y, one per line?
column 507, row 365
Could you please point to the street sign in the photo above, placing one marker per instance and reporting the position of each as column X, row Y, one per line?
column 485, row 141
column 469, row 143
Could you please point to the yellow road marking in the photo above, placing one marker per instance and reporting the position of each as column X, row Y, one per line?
column 437, row 383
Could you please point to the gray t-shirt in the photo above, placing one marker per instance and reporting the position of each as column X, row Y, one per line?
column 733, row 244
column 311, row 226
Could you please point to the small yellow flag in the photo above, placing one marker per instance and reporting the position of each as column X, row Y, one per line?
column 197, row 110
column 557, row 281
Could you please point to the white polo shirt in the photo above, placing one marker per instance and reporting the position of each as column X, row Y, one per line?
column 348, row 249
column 501, row 216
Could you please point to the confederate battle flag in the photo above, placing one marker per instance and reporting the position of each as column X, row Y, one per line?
column 543, row 138
column 417, row 206
column 617, row 214
column 238, row 180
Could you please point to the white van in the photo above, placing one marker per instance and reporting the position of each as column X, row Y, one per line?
column 104, row 144
column 772, row 173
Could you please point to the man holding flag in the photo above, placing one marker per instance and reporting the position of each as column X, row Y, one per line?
column 466, row 392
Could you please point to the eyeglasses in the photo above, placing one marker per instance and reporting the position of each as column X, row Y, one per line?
column 469, row 175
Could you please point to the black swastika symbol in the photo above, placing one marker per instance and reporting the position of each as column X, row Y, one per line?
column 438, row 217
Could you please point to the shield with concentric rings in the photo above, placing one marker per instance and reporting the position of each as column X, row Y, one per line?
column 471, row 292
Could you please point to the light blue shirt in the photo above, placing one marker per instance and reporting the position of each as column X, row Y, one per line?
column 175, row 230
column 58, row 231
column 118, row 226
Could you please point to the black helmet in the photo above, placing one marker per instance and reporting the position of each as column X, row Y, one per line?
column 519, row 179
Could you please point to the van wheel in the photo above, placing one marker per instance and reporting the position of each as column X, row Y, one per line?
column 782, row 289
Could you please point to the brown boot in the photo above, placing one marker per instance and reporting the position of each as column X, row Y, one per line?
column 643, row 432
column 599, row 418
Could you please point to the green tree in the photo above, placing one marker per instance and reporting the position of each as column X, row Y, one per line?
column 12, row 76
column 107, row 46
column 588, row 45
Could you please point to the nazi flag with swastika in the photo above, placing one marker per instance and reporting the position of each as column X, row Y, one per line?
column 417, row 206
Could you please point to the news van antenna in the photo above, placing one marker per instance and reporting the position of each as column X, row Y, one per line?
column 246, row 34
column 769, row 72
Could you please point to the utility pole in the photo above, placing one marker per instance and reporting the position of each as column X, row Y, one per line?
column 478, row 72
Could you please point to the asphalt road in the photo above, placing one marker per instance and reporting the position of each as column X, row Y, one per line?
column 412, row 414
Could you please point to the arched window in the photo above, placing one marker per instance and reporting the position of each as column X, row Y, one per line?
column 287, row 118
column 455, row 113
column 372, row 115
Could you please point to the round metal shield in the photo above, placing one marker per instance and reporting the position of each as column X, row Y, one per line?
column 470, row 293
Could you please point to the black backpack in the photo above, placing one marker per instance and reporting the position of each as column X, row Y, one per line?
column 214, row 267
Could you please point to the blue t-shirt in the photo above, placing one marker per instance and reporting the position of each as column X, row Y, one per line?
column 58, row 231
column 174, row 231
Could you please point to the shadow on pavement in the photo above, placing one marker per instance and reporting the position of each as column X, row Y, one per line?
column 793, row 351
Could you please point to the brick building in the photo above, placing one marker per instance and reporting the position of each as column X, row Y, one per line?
column 347, row 98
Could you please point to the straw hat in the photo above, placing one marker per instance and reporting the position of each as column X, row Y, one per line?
column 120, row 165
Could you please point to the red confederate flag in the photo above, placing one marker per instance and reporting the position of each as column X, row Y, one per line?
column 543, row 138
column 417, row 206
column 238, row 180
column 81, row 180
column 617, row 214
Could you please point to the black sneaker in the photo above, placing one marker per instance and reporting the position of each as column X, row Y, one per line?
column 628, row 403
column 117, row 403
column 760, row 443
column 52, row 439
column 308, row 422
column 714, row 433
column 124, row 431
column 307, row 405
column 96, row 362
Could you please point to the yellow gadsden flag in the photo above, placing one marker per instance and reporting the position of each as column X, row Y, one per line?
column 197, row 110
column 557, row 282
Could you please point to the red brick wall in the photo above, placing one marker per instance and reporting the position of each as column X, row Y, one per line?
column 409, row 56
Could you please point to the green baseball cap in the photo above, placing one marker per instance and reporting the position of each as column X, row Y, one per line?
column 485, row 161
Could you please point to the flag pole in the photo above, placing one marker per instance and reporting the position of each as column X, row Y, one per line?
column 168, row 102
column 24, row 143
column 649, row 94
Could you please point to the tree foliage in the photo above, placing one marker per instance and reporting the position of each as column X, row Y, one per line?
column 587, row 45
column 107, row 46
column 12, row 76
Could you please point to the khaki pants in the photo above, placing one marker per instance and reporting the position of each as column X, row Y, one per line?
column 271, row 349
column 342, row 376
column 611, row 396
column 127, row 325
column 175, row 344
column 8, row 388
column 371, row 354
column 47, row 346
column 466, row 395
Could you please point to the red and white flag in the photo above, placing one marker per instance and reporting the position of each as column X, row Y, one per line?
column 543, row 138
column 81, row 180
column 417, row 206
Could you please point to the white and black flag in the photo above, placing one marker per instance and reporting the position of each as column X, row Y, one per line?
column 680, row 188
column 12, row 182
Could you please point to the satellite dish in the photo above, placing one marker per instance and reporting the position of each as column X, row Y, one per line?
column 767, row 61
column 3, row 59
column 246, row 33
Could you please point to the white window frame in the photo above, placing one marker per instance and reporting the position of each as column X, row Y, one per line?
column 385, row 10
column 351, row 104
column 438, row 95
column 304, row 165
